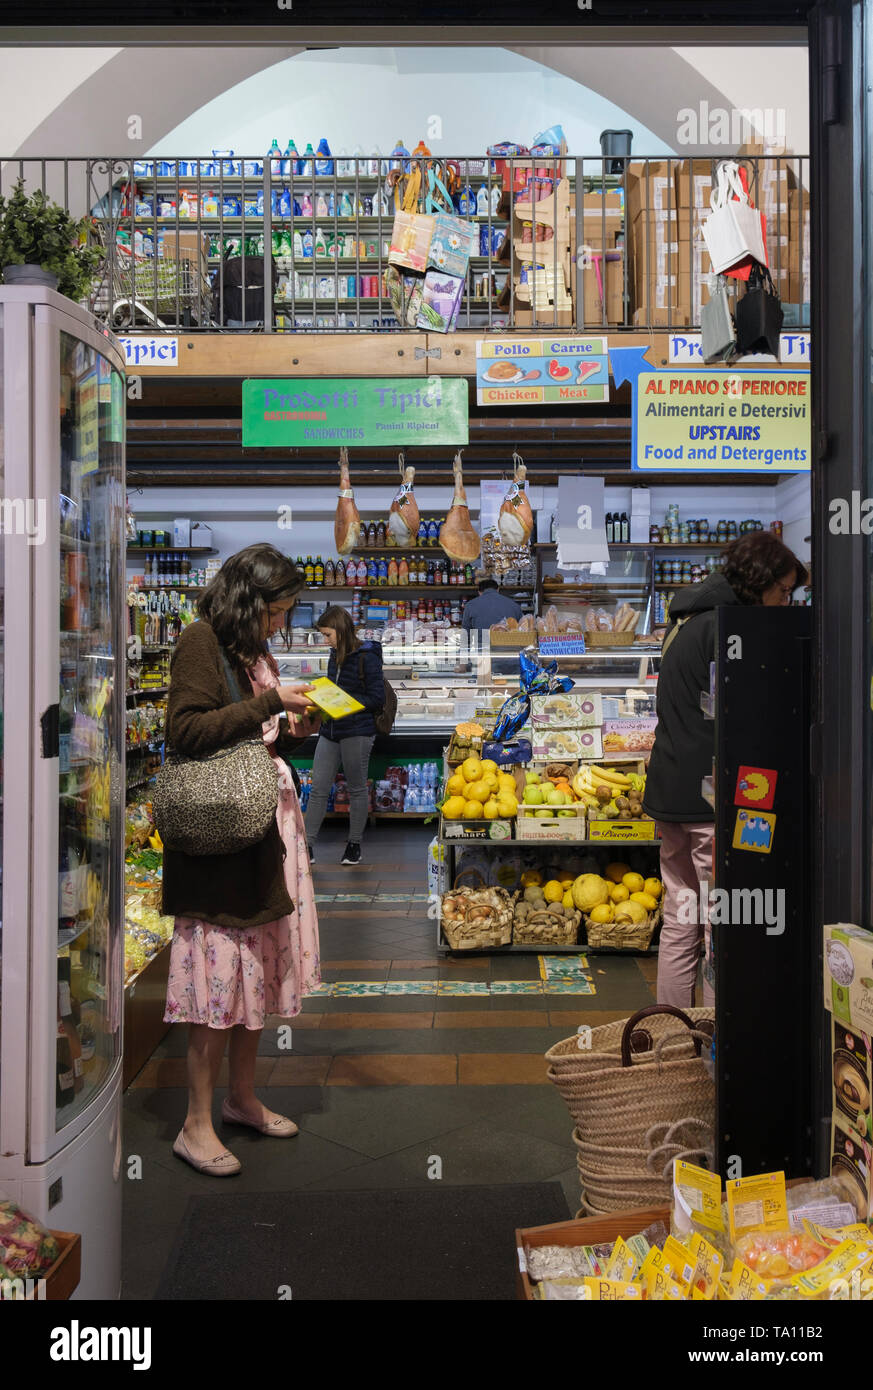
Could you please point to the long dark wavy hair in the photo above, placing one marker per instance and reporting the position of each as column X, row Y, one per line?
column 346, row 637
column 236, row 601
column 757, row 561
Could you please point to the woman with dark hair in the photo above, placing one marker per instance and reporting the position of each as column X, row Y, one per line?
column 356, row 667
column 758, row 569
column 245, row 943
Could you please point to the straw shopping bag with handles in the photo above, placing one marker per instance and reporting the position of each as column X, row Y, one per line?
column 639, row 1097
column 477, row 919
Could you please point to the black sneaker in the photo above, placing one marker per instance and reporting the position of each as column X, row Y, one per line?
column 352, row 854
column 311, row 855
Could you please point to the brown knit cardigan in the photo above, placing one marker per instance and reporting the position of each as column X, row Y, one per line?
column 230, row 890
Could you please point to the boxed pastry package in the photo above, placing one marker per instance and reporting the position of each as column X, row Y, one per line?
column 848, row 975
column 629, row 735
column 852, row 1078
column 559, row 744
column 571, row 710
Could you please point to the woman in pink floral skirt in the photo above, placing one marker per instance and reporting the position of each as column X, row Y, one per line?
column 245, row 944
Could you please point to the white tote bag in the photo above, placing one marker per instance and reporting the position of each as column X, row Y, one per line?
column 733, row 229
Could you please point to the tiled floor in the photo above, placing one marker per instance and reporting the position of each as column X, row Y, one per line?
column 402, row 1054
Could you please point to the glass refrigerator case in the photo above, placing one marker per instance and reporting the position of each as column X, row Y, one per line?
column 63, row 422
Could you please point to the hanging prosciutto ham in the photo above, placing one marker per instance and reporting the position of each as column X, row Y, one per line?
column 403, row 519
column 515, row 522
column 457, row 537
column 347, row 523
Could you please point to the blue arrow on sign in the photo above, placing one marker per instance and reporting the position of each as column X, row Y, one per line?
column 627, row 363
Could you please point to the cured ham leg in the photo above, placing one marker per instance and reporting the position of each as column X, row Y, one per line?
column 457, row 537
column 515, row 522
column 347, row 523
column 403, row 519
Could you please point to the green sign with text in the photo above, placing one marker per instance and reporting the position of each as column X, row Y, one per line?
column 363, row 412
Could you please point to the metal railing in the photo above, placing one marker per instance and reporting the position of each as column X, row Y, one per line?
column 227, row 243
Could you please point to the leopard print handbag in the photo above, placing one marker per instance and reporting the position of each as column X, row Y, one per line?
column 221, row 803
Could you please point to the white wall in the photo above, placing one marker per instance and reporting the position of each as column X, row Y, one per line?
column 244, row 516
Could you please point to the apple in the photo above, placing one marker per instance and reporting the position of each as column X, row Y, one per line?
column 555, row 797
column 567, row 813
column 532, row 778
column 532, row 795
column 544, row 811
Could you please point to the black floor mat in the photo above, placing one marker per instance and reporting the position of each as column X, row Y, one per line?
column 425, row 1244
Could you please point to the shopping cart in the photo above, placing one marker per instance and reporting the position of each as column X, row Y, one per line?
column 136, row 286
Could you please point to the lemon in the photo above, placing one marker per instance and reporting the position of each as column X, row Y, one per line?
column 619, row 893
column 567, row 900
column 491, row 781
column 471, row 769
column 553, row 891
column 605, row 912
column 478, row 791
column 505, row 782
column 490, row 811
column 530, row 877
column 565, row 878
column 654, row 887
column 453, row 809
column 456, row 785
column 473, row 810
column 489, row 765
column 507, row 806
column 633, row 882
column 645, row 900
column 616, row 872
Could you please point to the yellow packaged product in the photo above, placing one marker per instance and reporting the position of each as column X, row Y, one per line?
column 835, row 1276
column 623, row 1263
column 756, row 1204
column 612, row 1291
column 331, row 700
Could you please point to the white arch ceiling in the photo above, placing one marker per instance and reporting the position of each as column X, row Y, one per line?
column 56, row 102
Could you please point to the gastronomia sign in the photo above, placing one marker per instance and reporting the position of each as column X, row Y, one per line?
column 718, row 420
column 366, row 411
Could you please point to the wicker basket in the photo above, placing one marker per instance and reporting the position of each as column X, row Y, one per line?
column 623, row 936
column 485, row 933
column 632, row 1078
column 559, row 931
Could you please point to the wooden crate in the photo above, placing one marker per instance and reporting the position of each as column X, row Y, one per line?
column 62, row 1278
column 591, row 1230
column 552, row 827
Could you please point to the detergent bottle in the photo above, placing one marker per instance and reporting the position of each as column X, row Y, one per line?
column 274, row 154
column 400, row 157
column 324, row 164
column 291, row 160
column 307, row 162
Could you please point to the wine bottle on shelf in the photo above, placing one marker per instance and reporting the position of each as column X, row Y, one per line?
column 625, row 528
column 610, row 528
column 310, row 572
column 319, row 573
column 65, row 1078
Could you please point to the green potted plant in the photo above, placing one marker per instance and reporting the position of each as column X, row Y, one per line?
column 39, row 244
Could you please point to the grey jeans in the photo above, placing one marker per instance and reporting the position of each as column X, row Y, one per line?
column 354, row 755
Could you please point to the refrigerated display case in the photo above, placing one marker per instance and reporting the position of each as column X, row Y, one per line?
column 62, row 453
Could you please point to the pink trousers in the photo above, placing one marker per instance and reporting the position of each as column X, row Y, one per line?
column 686, row 862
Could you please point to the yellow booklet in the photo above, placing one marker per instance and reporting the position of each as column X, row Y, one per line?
column 332, row 701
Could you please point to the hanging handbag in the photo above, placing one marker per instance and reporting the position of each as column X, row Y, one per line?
column 717, row 336
column 221, row 803
column 734, row 229
column 759, row 315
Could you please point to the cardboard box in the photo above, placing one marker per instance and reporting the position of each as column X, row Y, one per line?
column 201, row 535
column 673, row 317
column 629, row 735
column 694, row 183
column 476, row 829
column 848, row 975
column 612, row 282
column 650, row 188
column 852, row 1078
column 182, row 532
column 573, row 710
column 628, row 830
column 557, row 745
column 851, row 1160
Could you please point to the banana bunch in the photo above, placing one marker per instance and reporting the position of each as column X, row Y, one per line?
column 608, row 793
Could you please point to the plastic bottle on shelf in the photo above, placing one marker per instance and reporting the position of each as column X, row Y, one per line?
column 362, row 573
column 496, row 195
column 321, row 208
column 483, row 202
column 346, row 205
column 308, row 244
column 274, row 155
column 393, row 571
column 433, row 531
column 306, row 205
column 422, row 532
column 307, row 162
column 290, row 160
column 339, row 574
column 319, row 573
column 382, row 571
column 324, row 164
column 400, row 158
column 403, row 571
column 372, row 571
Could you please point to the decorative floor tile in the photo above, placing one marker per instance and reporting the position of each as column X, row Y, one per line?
column 324, row 897
column 576, row 984
column 463, row 987
column 516, row 987
column 319, row 989
column 411, row 987
column 392, row 897
column 551, row 966
column 354, row 898
column 358, row 987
